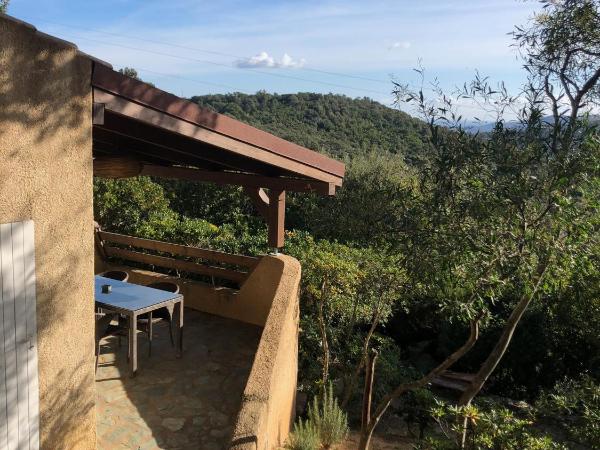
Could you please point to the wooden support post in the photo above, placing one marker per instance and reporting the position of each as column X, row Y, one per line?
column 276, row 219
column 260, row 199
column 98, row 113
column 271, row 207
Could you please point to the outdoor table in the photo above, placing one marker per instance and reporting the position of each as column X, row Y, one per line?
column 132, row 300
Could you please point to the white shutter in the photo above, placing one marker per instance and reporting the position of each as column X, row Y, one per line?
column 19, row 397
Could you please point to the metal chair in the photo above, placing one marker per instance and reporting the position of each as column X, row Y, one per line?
column 119, row 275
column 104, row 328
column 144, row 322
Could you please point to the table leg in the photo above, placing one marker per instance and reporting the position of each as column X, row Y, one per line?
column 180, row 328
column 133, row 344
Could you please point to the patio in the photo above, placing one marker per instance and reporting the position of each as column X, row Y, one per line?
column 185, row 403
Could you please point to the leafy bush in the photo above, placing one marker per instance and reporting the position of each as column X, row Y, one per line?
column 489, row 426
column 134, row 206
column 304, row 437
column 329, row 420
column 574, row 406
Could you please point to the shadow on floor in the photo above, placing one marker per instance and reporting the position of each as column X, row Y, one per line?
column 172, row 403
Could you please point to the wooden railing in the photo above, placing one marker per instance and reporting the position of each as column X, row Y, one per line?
column 181, row 257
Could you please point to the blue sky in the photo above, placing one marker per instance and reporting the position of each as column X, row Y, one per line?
column 196, row 47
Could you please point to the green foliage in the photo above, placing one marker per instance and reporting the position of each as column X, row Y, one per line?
column 304, row 436
column 4, row 6
column 130, row 72
column 329, row 420
column 574, row 406
column 370, row 207
column 134, row 206
column 140, row 207
column 353, row 286
column 217, row 204
column 489, row 427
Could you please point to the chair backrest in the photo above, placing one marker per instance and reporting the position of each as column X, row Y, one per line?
column 119, row 275
column 165, row 286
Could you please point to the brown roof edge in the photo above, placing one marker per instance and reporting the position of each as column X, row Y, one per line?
column 109, row 80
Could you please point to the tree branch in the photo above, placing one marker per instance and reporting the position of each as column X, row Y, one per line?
column 426, row 379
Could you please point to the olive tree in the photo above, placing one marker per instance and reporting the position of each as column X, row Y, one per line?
column 503, row 217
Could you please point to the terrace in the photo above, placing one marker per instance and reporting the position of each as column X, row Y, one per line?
column 234, row 384
column 75, row 118
column 186, row 402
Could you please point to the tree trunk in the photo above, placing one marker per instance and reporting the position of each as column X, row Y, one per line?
column 324, row 343
column 323, row 330
column 349, row 387
column 367, row 434
column 368, row 393
column 500, row 348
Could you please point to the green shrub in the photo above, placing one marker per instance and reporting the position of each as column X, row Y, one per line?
column 490, row 427
column 329, row 420
column 574, row 406
column 304, row 437
column 134, row 206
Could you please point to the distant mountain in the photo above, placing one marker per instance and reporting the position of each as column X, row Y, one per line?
column 333, row 124
column 486, row 127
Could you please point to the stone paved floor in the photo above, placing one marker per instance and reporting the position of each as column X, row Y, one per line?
column 187, row 403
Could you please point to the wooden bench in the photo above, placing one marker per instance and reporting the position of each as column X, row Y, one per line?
column 455, row 381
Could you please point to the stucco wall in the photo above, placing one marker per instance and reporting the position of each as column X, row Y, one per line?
column 268, row 404
column 46, row 175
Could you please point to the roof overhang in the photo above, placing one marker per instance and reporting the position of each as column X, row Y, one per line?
column 173, row 137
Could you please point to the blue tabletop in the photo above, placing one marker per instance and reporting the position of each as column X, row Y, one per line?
column 130, row 296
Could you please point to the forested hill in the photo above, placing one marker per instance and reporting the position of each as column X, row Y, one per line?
column 334, row 124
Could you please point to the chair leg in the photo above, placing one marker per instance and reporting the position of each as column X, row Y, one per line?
column 171, row 333
column 97, row 356
column 149, row 334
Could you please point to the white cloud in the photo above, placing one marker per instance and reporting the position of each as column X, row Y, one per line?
column 264, row 60
column 400, row 44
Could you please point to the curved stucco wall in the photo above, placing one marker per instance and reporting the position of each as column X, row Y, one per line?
column 46, row 176
column 268, row 405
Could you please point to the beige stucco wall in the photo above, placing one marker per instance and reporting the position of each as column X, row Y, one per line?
column 46, row 175
column 268, row 404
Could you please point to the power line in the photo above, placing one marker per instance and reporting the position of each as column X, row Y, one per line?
column 168, row 75
column 211, row 52
column 229, row 66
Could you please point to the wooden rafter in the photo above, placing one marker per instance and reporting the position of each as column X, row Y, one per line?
column 240, row 179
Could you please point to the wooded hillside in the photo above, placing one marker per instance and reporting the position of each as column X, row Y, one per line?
column 333, row 124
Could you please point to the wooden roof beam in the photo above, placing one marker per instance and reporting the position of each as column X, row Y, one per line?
column 240, row 179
